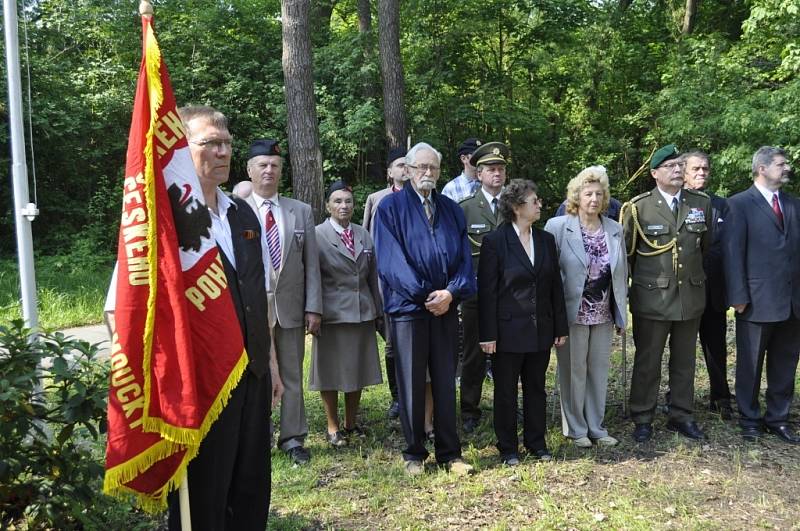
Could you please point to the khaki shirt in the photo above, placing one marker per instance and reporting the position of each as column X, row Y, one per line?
column 665, row 255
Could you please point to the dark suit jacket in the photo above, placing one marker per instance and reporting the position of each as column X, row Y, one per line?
column 712, row 261
column 521, row 305
column 247, row 284
column 761, row 261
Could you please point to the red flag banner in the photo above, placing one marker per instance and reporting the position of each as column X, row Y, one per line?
column 177, row 350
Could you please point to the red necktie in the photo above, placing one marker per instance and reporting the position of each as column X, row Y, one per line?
column 273, row 238
column 347, row 239
column 776, row 207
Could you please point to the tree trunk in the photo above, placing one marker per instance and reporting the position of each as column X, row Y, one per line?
column 688, row 17
column 301, row 111
column 321, row 12
column 364, row 17
column 392, row 72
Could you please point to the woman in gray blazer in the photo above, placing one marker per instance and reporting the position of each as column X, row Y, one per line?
column 594, row 272
column 344, row 356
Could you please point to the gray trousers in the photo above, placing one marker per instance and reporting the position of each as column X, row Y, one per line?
column 583, row 364
column 290, row 349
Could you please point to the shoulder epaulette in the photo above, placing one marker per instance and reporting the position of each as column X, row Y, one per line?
column 697, row 192
column 470, row 196
column 641, row 196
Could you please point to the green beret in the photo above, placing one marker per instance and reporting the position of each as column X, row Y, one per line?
column 670, row 151
column 490, row 153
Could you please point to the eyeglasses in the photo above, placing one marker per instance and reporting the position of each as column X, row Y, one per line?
column 214, row 143
column 534, row 201
column 673, row 165
column 424, row 168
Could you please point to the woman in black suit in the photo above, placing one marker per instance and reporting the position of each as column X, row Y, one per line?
column 522, row 314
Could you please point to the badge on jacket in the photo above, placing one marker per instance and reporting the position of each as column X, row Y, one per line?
column 696, row 215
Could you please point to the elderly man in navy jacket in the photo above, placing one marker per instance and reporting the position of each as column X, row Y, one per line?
column 425, row 270
column 762, row 275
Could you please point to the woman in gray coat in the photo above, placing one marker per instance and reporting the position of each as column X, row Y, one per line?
column 594, row 272
column 344, row 355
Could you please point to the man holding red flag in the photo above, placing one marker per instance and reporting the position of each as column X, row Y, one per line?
column 192, row 377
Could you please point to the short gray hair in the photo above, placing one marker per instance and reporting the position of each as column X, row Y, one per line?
column 764, row 157
column 411, row 156
column 696, row 154
column 213, row 116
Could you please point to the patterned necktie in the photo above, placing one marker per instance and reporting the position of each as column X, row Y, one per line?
column 675, row 207
column 347, row 238
column 273, row 238
column 428, row 209
column 776, row 207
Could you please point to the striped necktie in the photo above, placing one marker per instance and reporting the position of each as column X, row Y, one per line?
column 428, row 209
column 347, row 238
column 273, row 238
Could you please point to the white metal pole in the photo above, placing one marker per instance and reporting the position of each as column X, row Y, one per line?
column 183, row 497
column 24, row 211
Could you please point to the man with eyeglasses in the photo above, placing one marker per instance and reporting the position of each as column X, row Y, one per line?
column 667, row 231
column 295, row 291
column 762, row 275
column 425, row 270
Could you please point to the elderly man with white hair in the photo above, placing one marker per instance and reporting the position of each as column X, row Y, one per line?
column 425, row 269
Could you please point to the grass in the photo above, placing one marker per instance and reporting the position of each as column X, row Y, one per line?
column 670, row 482
column 71, row 291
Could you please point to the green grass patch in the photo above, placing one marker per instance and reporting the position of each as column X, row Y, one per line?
column 71, row 289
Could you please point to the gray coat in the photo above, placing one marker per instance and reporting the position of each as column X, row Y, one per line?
column 296, row 288
column 349, row 284
column 574, row 264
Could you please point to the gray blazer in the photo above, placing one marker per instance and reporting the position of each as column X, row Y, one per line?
column 349, row 284
column 371, row 207
column 574, row 264
column 296, row 288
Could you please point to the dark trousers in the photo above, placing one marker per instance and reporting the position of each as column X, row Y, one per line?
column 391, row 376
column 713, row 328
column 650, row 337
column 779, row 343
column 420, row 344
column 229, row 480
column 507, row 369
column 473, row 366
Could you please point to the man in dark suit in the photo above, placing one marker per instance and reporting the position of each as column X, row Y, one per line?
column 667, row 232
column 713, row 323
column 762, row 275
column 425, row 271
column 229, row 480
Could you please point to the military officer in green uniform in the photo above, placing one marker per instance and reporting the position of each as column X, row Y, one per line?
column 666, row 232
column 482, row 215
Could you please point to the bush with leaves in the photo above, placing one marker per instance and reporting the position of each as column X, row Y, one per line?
column 52, row 413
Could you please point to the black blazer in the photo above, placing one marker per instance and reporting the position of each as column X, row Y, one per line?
column 761, row 261
column 521, row 305
column 712, row 261
column 246, row 284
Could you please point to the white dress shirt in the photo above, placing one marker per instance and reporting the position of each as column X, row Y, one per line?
column 516, row 229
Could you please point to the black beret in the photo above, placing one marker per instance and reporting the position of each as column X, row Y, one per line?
column 263, row 146
column 468, row 146
column 668, row 152
column 395, row 154
column 336, row 186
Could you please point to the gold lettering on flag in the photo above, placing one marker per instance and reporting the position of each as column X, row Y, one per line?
column 209, row 285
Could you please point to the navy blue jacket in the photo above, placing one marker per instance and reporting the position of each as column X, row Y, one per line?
column 761, row 261
column 416, row 257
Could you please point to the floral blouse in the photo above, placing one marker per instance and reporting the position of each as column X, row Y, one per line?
column 595, row 307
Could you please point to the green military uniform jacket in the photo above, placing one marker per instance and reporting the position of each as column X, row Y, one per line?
column 480, row 221
column 665, row 254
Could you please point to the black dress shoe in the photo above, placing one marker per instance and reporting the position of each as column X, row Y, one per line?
column 542, row 454
column 394, row 410
column 470, row 423
column 510, row 459
column 751, row 433
column 784, row 432
column 643, row 432
column 687, row 428
column 723, row 407
column 299, row 455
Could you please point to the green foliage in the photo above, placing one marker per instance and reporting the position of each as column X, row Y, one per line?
column 566, row 83
column 52, row 398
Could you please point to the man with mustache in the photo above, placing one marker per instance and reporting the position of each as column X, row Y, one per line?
column 425, row 270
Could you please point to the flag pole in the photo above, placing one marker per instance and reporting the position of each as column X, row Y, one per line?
column 24, row 211
column 146, row 10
